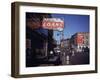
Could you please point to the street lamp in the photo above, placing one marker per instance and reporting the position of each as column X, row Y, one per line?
column 51, row 52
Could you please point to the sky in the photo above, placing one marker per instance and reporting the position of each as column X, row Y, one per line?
column 72, row 24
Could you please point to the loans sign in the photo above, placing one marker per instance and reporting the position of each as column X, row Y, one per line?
column 53, row 23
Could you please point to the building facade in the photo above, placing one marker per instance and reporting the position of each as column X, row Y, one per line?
column 39, row 41
column 65, row 43
column 79, row 41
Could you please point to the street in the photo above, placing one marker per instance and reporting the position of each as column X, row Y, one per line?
column 76, row 58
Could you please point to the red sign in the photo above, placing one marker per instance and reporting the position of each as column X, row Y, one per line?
column 80, row 39
column 53, row 23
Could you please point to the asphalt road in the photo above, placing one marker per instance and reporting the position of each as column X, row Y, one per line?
column 79, row 58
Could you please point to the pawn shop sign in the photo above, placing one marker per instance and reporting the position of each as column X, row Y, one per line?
column 53, row 23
